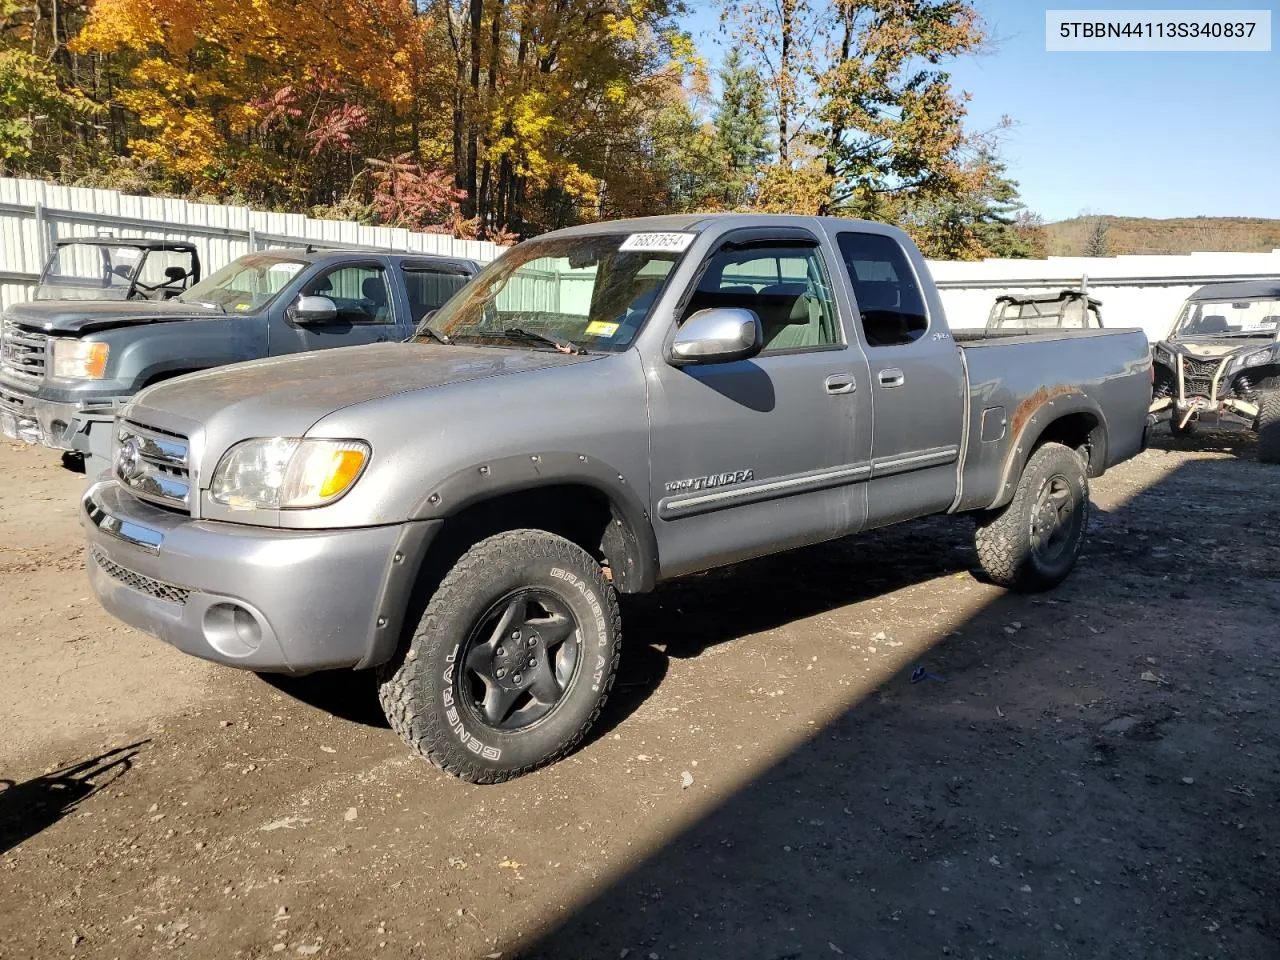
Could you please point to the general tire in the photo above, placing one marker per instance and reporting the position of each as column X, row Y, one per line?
column 1269, row 426
column 423, row 690
column 1004, row 538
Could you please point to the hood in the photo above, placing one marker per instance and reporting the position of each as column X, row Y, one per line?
column 1209, row 348
column 85, row 316
column 285, row 396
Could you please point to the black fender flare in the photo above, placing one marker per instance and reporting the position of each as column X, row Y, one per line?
column 637, row 564
column 636, row 559
column 1036, row 415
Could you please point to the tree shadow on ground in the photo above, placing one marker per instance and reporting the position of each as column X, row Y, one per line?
column 30, row 807
column 1095, row 785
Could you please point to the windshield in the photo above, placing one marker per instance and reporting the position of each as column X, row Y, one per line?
column 1037, row 314
column 1239, row 318
column 90, row 271
column 246, row 285
column 593, row 291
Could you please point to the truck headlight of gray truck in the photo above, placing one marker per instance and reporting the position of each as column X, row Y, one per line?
column 287, row 473
column 601, row 409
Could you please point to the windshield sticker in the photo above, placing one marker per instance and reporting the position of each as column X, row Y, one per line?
column 666, row 242
column 600, row 328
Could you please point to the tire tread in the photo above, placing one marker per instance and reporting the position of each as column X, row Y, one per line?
column 1269, row 426
column 399, row 679
column 1001, row 540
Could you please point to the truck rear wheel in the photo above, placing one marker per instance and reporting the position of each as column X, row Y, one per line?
column 1269, row 426
column 512, row 660
column 1033, row 542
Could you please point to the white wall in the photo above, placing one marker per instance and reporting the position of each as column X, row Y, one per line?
column 1136, row 291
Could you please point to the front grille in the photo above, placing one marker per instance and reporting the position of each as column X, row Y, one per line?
column 22, row 354
column 153, row 464
column 136, row 581
column 1197, row 376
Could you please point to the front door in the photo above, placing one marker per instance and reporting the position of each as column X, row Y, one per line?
column 917, row 383
column 770, row 451
column 366, row 311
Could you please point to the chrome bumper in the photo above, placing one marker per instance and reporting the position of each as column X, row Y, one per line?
column 50, row 423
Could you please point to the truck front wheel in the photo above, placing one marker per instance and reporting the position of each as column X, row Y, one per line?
column 1269, row 426
column 1033, row 542
column 511, row 662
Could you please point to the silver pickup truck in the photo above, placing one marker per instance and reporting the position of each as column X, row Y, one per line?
column 601, row 409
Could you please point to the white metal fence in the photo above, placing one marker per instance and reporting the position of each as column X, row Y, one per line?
column 34, row 214
column 1135, row 291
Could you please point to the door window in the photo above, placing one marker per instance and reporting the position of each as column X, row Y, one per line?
column 428, row 289
column 890, row 304
column 359, row 292
column 786, row 287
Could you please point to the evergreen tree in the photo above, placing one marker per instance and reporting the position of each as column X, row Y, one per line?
column 741, row 128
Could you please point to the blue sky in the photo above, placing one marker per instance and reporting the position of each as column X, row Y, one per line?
column 1131, row 134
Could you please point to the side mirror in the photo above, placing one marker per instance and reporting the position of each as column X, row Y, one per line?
column 307, row 310
column 717, row 335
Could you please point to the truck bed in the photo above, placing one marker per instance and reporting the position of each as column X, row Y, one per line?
column 1012, row 377
column 979, row 337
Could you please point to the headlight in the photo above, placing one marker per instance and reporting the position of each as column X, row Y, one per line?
column 285, row 473
column 1255, row 359
column 79, row 360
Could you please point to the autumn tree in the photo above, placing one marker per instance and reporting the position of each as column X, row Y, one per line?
column 250, row 96
column 45, row 118
column 862, row 84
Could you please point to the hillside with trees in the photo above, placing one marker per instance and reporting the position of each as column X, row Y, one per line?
column 1095, row 235
column 505, row 118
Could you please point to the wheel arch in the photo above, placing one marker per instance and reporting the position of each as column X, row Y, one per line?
column 576, row 496
column 1071, row 419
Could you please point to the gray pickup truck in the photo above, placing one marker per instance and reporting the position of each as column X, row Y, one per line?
column 67, row 365
column 601, row 409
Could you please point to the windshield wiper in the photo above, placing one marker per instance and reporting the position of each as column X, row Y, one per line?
column 564, row 346
column 431, row 332
column 204, row 303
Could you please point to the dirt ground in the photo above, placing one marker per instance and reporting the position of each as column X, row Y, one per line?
column 1094, row 773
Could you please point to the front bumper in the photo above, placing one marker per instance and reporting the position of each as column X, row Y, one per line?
column 52, row 423
column 259, row 598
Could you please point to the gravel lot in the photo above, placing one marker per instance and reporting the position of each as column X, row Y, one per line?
column 1095, row 775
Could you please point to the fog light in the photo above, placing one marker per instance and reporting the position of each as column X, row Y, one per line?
column 232, row 630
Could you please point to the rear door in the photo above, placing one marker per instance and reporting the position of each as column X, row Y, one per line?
column 917, row 382
column 770, row 452
column 428, row 285
column 367, row 312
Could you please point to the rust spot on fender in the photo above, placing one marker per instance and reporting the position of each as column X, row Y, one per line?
column 1028, row 407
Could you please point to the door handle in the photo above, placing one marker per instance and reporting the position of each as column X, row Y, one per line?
column 893, row 377
column 840, row 383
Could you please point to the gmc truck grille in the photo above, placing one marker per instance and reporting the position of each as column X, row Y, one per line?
column 22, row 354
column 1197, row 376
column 153, row 465
column 153, row 588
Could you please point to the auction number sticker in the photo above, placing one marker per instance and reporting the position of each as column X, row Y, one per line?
column 664, row 242
column 1232, row 31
